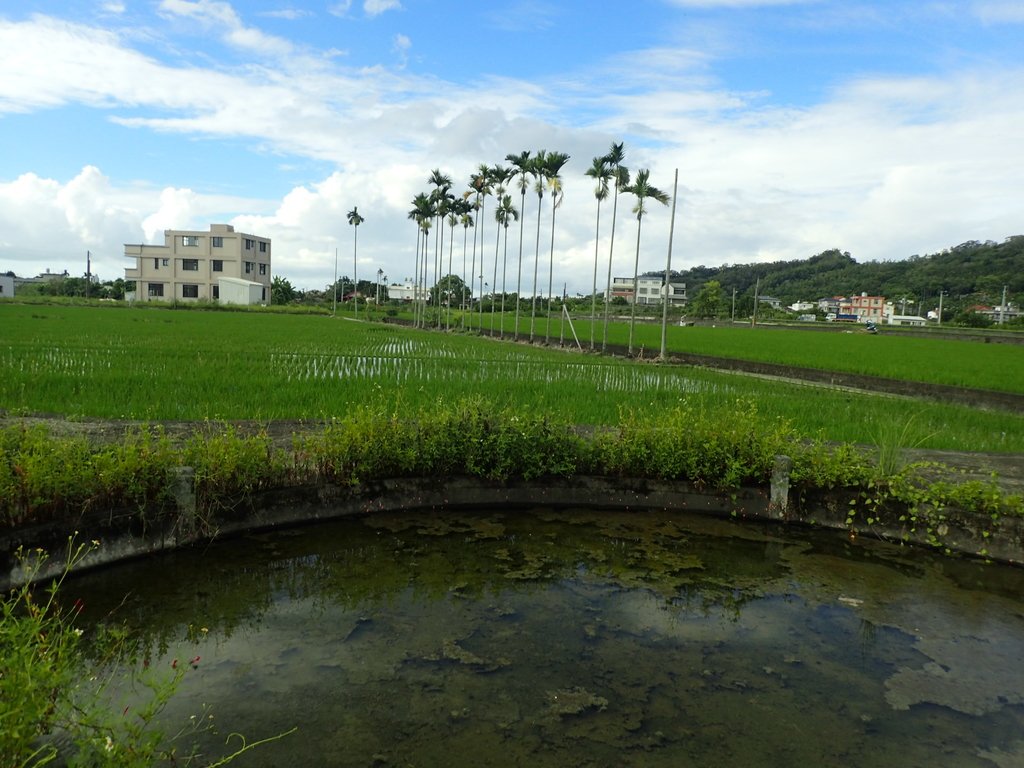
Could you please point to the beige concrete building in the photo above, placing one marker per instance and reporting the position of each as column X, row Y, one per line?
column 650, row 290
column 190, row 264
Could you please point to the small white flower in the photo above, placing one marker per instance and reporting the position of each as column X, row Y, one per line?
column 78, row 632
column 109, row 746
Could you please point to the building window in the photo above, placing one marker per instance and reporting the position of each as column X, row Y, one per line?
column 165, row 262
column 190, row 265
column 263, row 247
column 263, row 296
column 190, row 291
column 249, row 244
column 156, row 263
column 155, row 289
column 216, row 291
column 248, row 267
column 189, row 240
column 263, row 269
column 217, row 242
column 218, row 265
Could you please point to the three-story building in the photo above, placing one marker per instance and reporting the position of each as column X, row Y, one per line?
column 191, row 265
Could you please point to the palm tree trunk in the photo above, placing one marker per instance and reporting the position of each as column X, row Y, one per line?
column 551, row 269
column 438, row 262
column 536, row 262
column 494, row 277
column 355, row 267
column 611, row 251
column 593, row 291
column 465, row 247
column 504, row 262
column 519, row 279
column 636, row 282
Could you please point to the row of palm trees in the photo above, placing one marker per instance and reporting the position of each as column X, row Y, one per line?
column 543, row 169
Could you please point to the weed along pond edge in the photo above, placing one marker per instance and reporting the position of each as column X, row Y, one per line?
column 122, row 535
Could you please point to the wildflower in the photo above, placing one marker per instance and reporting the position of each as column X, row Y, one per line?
column 78, row 632
column 109, row 746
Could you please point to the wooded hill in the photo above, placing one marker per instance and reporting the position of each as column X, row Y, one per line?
column 972, row 272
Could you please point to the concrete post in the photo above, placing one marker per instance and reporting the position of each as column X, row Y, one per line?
column 779, row 502
column 183, row 488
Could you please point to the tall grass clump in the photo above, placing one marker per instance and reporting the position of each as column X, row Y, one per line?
column 471, row 437
column 43, row 478
column 229, row 469
column 722, row 449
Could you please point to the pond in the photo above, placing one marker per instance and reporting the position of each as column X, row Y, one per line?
column 582, row 638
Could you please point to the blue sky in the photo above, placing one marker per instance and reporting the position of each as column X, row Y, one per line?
column 883, row 128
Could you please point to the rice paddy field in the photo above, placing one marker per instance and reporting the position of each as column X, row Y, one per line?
column 842, row 348
column 159, row 364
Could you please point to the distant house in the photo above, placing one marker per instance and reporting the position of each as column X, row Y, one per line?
column 190, row 264
column 649, row 290
column 916, row 320
column 802, row 306
column 865, row 307
column 6, row 286
column 1001, row 313
column 831, row 305
column 771, row 301
column 405, row 291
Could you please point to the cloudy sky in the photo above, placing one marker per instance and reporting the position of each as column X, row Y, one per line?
column 883, row 127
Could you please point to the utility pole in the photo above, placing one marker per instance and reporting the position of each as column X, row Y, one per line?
column 757, row 292
column 941, row 294
column 334, row 285
column 734, row 305
column 1002, row 306
column 88, row 274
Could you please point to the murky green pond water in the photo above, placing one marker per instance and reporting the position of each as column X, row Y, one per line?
column 582, row 638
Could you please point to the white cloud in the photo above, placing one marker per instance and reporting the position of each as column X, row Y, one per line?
column 377, row 7
column 340, row 9
column 1000, row 11
column 736, row 3
column 177, row 210
column 291, row 14
column 112, row 6
column 221, row 16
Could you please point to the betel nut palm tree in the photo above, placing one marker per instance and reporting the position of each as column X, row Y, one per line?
column 552, row 177
column 521, row 166
column 536, row 169
column 642, row 190
column 620, row 174
column 355, row 219
column 422, row 212
column 601, row 172
column 497, row 177
column 480, row 187
column 505, row 214
column 440, row 197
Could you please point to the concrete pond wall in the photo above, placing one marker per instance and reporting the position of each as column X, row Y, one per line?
column 124, row 534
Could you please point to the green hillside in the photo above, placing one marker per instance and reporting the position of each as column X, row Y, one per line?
column 970, row 273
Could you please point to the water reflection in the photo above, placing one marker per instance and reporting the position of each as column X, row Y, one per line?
column 585, row 638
